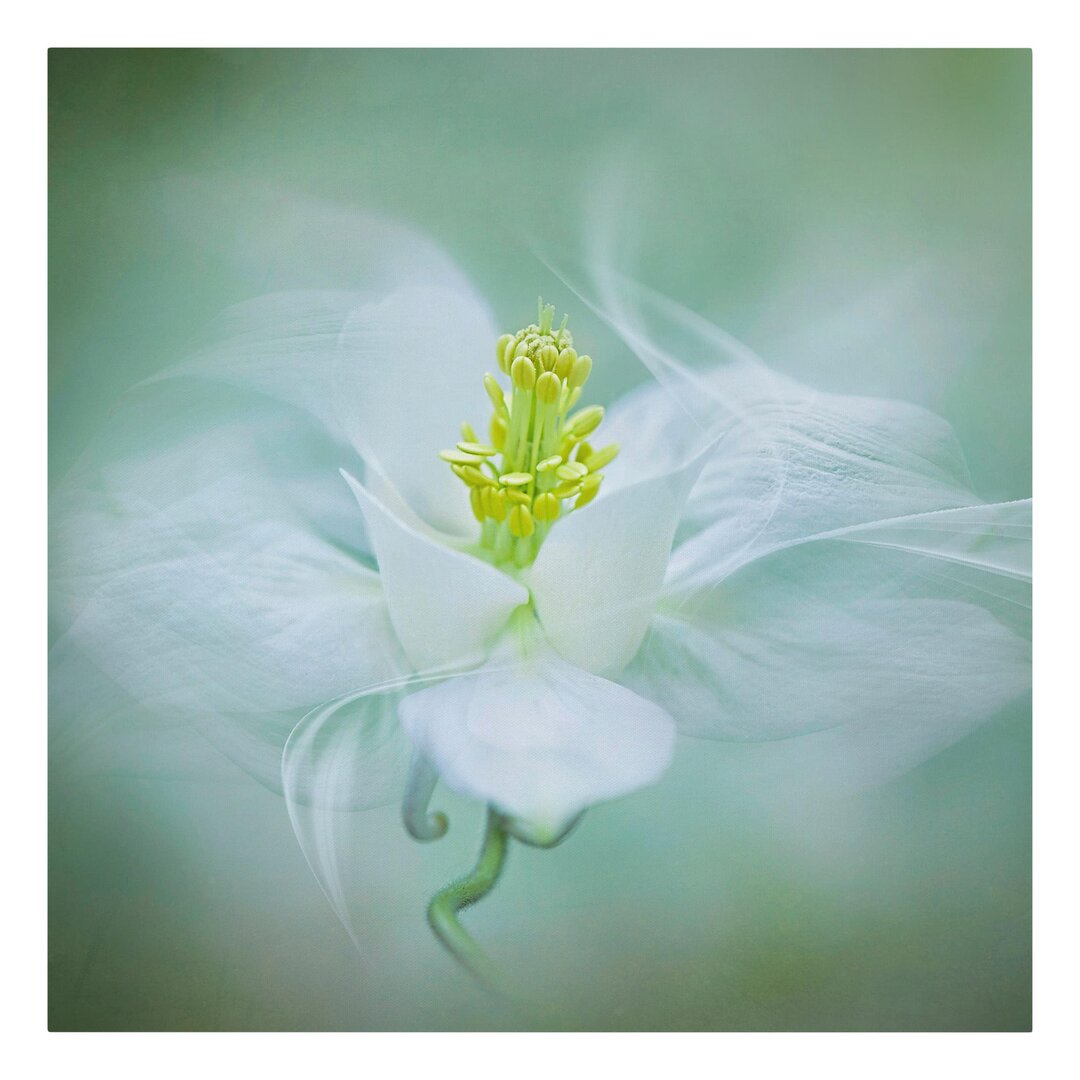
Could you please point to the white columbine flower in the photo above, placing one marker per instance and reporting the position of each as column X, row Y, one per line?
column 267, row 547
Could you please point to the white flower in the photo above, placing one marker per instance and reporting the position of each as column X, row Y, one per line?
column 266, row 548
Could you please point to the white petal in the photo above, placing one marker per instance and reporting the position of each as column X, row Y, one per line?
column 392, row 367
column 806, row 465
column 188, row 567
column 790, row 463
column 597, row 578
column 539, row 739
column 906, row 636
column 447, row 607
column 350, row 754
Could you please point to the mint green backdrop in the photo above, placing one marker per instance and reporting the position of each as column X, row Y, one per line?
column 862, row 219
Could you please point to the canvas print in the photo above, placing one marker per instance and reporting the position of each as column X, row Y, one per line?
column 540, row 540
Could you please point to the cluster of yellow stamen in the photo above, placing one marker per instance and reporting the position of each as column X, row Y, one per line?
column 547, row 467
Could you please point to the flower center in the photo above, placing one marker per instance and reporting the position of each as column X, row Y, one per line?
column 538, row 466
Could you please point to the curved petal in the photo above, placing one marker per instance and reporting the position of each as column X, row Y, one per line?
column 791, row 463
column 392, row 367
column 803, row 466
column 347, row 755
column 446, row 606
column 190, row 567
column 905, row 635
column 599, row 574
column 538, row 738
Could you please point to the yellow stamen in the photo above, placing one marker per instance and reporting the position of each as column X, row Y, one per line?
column 599, row 458
column 572, row 470
column 565, row 364
column 548, row 388
column 516, row 479
column 477, row 449
column 521, row 521
column 500, row 350
column 580, row 372
column 586, row 421
column 546, row 507
column 460, row 457
column 543, row 456
column 523, row 372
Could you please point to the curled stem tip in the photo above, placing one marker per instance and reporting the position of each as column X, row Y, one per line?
column 414, row 808
column 445, row 905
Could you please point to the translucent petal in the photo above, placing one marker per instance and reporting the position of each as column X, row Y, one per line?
column 539, row 738
column 905, row 635
column 96, row 728
column 789, row 462
column 804, row 466
column 391, row 368
column 345, row 756
column 446, row 606
column 201, row 562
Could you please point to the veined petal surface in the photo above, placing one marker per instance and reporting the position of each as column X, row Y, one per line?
column 789, row 462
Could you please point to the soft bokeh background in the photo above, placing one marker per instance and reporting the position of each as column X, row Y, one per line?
column 862, row 219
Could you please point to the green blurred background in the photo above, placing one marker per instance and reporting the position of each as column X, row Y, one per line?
column 861, row 219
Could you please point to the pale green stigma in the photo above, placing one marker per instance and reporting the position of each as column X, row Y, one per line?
column 546, row 469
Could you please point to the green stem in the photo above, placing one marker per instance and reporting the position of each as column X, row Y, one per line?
column 444, row 907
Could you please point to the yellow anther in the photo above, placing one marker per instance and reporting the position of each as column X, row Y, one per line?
column 523, row 373
column 473, row 476
column 494, row 502
column 549, row 355
column 546, row 507
column 477, row 449
column 541, row 442
column 516, row 479
column 548, row 388
column 596, row 460
column 586, row 421
column 580, row 372
column 572, row 470
column 521, row 521
column 565, row 364
column 459, row 457
column 495, row 392
column 587, row 495
column 498, row 431
column 500, row 350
